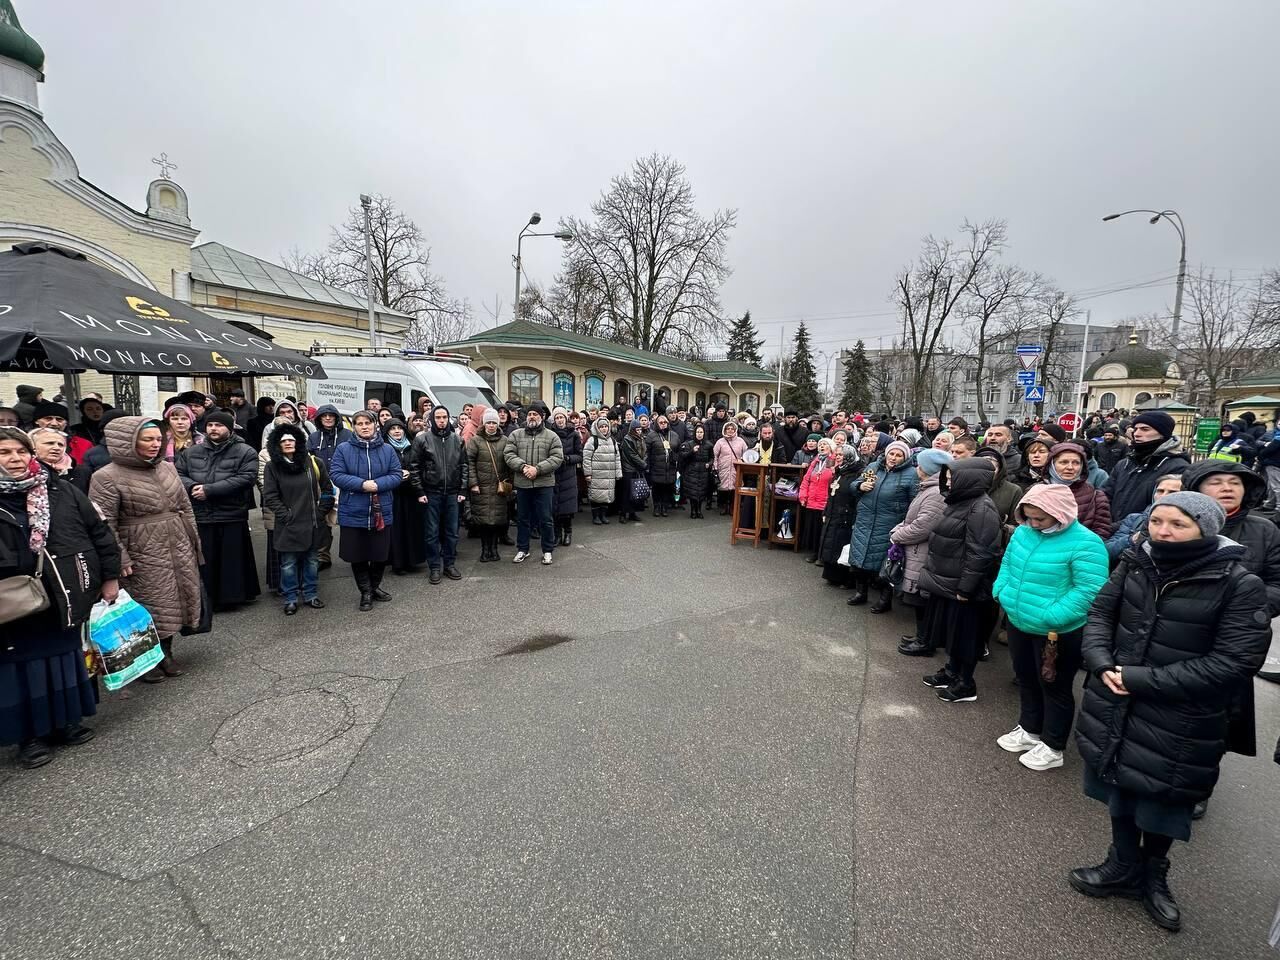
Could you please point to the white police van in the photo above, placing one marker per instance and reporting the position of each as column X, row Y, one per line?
column 356, row 375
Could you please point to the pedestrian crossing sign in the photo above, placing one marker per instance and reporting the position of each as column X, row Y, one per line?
column 1033, row 394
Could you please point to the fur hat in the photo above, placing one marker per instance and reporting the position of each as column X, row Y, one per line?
column 1205, row 511
column 47, row 408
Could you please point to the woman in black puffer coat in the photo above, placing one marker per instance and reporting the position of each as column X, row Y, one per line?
column 1178, row 628
column 566, row 495
column 838, row 516
column 664, row 463
column 695, row 470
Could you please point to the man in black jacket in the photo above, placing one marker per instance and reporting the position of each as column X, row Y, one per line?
column 220, row 475
column 1155, row 452
column 439, row 475
column 256, row 425
column 1112, row 449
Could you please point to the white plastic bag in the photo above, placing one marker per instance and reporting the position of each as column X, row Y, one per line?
column 843, row 559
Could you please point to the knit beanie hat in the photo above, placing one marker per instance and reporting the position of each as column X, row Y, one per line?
column 1205, row 511
column 1159, row 421
column 222, row 417
column 815, row 437
column 559, row 410
column 1053, row 498
column 931, row 461
column 1055, row 431
column 490, row 416
column 901, row 447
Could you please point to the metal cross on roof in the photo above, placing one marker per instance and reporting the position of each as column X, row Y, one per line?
column 166, row 166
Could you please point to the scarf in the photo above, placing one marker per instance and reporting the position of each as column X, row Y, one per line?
column 1142, row 451
column 401, row 444
column 36, row 486
column 1170, row 559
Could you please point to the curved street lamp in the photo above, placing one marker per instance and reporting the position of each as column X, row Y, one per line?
column 534, row 219
column 1174, row 219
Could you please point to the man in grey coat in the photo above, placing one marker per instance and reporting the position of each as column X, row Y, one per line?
column 534, row 453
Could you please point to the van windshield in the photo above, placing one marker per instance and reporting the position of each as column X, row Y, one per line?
column 455, row 395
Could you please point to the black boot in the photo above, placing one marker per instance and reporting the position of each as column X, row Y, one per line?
column 860, row 593
column 604, row 516
column 595, row 516
column 1156, row 895
column 1111, row 878
column 657, row 510
column 885, row 603
column 566, row 537
column 366, row 591
column 167, row 666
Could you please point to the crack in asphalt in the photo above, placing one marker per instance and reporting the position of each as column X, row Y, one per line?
column 187, row 899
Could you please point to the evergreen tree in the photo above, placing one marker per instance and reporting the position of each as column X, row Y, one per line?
column 856, row 394
column 744, row 344
column 805, row 395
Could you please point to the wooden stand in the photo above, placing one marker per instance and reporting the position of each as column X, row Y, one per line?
column 778, row 503
column 742, row 493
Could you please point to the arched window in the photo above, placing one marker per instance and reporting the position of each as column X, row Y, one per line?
column 595, row 388
column 682, row 399
column 1106, row 401
column 719, row 398
column 487, row 374
column 562, row 389
column 525, row 385
column 622, row 391
column 750, row 402
column 1141, row 398
column 700, row 400
column 662, row 401
column 768, row 399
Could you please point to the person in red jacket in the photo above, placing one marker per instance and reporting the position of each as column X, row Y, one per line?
column 815, row 487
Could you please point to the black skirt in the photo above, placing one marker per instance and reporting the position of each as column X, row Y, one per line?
column 408, row 533
column 41, row 696
column 358, row 545
column 810, row 530
column 230, row 572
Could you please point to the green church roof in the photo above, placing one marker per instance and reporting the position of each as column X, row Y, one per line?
column 1142, row 363
column 14, row 42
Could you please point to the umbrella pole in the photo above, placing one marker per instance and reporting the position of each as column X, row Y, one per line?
column 71, row 395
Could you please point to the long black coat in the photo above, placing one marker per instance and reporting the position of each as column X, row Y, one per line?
column 695, row 469
column 664, row 462
column 1186, row 649
column 566, row 497
column 966, row 542
column 228, row 472
column 84, row 554
column 298, row 499
column 839, row 513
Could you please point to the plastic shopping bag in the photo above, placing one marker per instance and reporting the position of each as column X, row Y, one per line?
column 124, row 641
column 843, row 559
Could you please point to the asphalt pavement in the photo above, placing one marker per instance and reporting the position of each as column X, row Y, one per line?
column 661, row 746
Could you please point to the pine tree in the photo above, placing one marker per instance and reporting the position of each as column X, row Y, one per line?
column 856, row 394
column 744, row 344
column 805, row 395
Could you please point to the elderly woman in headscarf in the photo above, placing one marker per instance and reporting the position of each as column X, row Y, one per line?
column 48, row 530
column 837, row 515
column 814, row 489
column 724, row 454
column 884, row 495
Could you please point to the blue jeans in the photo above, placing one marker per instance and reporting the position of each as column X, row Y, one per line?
column 441, row 516
column 309, row 561
column 535, row 504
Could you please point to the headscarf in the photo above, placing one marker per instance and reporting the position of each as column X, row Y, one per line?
column 36, row 487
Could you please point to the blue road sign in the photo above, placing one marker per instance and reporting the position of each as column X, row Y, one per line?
column 1029, row 350
column 1026, row 378
column 1033, row 394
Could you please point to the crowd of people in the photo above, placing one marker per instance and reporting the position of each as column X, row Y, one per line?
column 1111, row 553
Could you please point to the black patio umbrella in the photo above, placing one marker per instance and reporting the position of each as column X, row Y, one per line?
column 59, row 312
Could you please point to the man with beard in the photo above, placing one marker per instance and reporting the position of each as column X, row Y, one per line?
column 440, row 475
column 241, row 410
column 219, row 476
column 1000, row 437
column 1112, row 449
column 1154, row 453
column 715, row 426
column 794, row 433
column 534, row 454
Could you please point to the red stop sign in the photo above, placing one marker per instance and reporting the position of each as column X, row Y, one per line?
column 1069, row 422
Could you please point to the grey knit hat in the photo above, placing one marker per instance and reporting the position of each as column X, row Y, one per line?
column 1205, row 511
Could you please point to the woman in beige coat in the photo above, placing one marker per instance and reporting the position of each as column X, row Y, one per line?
column 142, row 499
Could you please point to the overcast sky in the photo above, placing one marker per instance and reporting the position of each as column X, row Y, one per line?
column 842, row 132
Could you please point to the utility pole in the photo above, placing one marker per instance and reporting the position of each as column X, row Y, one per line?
column 782, row 334
column 1084, row 358
column 366, row 203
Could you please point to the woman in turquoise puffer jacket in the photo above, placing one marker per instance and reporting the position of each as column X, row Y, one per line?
column 1051, row 572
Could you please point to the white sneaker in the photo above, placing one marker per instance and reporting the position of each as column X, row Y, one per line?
column 1041, row 757
column 520, row 556
column 1017, row 740
column 546, row 559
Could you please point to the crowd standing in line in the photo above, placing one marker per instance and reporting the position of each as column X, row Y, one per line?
column 1109, row 553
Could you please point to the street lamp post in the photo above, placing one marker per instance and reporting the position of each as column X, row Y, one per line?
column 1174, row 219
column 534, row 220
column 366, row 202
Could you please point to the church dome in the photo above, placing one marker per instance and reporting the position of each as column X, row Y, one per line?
column 14, row 42
column 1131, row 362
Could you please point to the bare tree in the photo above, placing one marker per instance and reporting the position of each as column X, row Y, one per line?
column 948, row 368
column 929, row 290
column 656, row 263
column 574, row 303
column 997, row 307
column 1231, row 330
column 402, row 276
column 1053, row 308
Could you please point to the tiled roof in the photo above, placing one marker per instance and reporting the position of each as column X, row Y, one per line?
column 223, row 266
column 526, row 333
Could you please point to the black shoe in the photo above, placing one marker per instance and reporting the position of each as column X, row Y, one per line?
column 858, row 599
column 604, row 519
column 452, row 573
column 1199, row 810
column 74, row 735
column 595, row 519
column 380, row 594
column 435, row 575
column 290, row 608
column 959, row 692
column 943, row 678
column 884, row 604
column 506, row 540
column 1111, row 878
column 986, row 654
column 810, row 559
column 34, row 753
column 567, row 539
column 315, row 603
column 366, row 601
column 622, row 518
column 325, row 564
column 915, row 648
column 153, row 676
column 1156, row 895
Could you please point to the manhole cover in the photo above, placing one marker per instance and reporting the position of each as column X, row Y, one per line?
column 284, row 727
